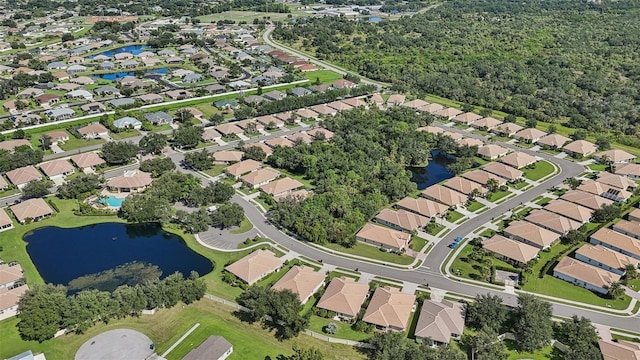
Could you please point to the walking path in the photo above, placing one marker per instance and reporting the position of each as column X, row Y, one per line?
column 164, row 355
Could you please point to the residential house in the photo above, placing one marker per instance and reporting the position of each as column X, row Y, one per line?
column 79, row 94
column 320, row 133
column 452, row 135
column 492, row 151
column 270, row 121
column 213, row 348
column 299, row 194
column 344, row 296
column 518, row 159
column 255, row 266
column 158, row 118
column 10, row 274
column 620, row 349
column 76, row 69
column 9, row 299
column 573, row 211
column 129, row 64
column 5, row 221
column 604, row 190
column 343, row 84
column 215, row 88
column 131, row 181
column 20, row 177
column 227, row 104
column 259, row 177
column 511, row 251
column 469, row 142
column 179, row 94
column 629, row 228
column 355, row 103
column 107, row 65
column 580, row 148
column 56, row 137
column 415, row 104
column 553, row 141
column 507, row 172
column 440, row 321
column 106, row 90
column 390, row 309
column 279, row 141
column 127, row 122
column 254, row 99
column 267, row 150
column 617, row 242
column 227, row 156
column 281, row 186
column 585, row 275
column 93, row 131
column 228, row 129
column 588, row 200
column 123, row 56
column 11, row 145
column 243, row 167
column 552, row 221
column 56, row 65
column 614, row 156
column 632, row 171
column 531, row 234
column 383, row 237
column 422, row 206
column 57, row 169
column 616, row 181
column 274, row 95
column 507, row 129
column 239, row 85
column 210, row 134
column 122, row 102
column 31, row 210
column 482, row 177
column 60, row 114
column 634, row 215
column 486, row 123
column 29, row 93
column 605, row 258
column 192, row 78
column 323, row 109
column 302, row 281
column 444, row 195
column 402, row 220
column 432, row 108
column 48, row 99
column 396, row 99
column 300, row 92
column 466, row 118
column 89, row 160
column 529, row 135
column 303, row 138
column 464, row 186
column 150, row 98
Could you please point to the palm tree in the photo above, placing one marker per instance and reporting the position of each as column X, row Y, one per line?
column 615, row 290
column 630, row 272
column 492, row 185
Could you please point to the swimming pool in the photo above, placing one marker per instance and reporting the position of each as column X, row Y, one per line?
column 112, row 201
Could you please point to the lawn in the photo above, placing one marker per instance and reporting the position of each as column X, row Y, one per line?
column 245, row 226
column 316, row 323
column 465, row 269
column 475, row 206
column 215, row 170
column 544, row 201
column 598, row 167
column 519, row 185
column 75, row 143
column 168, row 325
column 453, row 216
column 541, row 169
column 9, row 192
column 334, row 274
column 325, row 76
column 514, row 353
column 417, row 243
column 239, row 16
column 434, row 229
column 125, row 134
column 493, row 197
column 371, row 252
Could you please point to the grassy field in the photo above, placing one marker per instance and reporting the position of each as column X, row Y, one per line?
column 75, row 143
column 168, row 325
column 543, row 354
column 372, row 252
column 247, row 16
column 325, row 76
column 542, row 168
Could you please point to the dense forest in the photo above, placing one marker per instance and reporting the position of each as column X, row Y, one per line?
column 562, row 61
column 355, row 175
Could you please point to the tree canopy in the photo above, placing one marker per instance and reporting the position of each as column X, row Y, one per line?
column 119, row 152
column 533, row 327
column 153, row 143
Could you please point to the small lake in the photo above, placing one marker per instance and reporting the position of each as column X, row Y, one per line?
column 120, row 74
column 62, row 255
column 133, row 49
column 434, row 172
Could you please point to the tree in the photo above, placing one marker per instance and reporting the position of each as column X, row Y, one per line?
column 579, row 134
column 487, row 310
column 67, row 37
column 552, row 129
column 531, row 123
column 37, row 188
column 606, row 213
column 630, row 272
column 485, row 345
column 157, row 166
column 492, row 185
column 510, row 118
column 227, row 215
column 187, row 136
column 573, row 183
column 580, row 337
column 199, row 160
column 195, row 222
column 253, row 152
column 45, row 140
column 19, row 134
column 153, row 143
column 615, row 290
column 302, row 354
column 603, row 143
column 40, row 312
column 533, row 327
column 119, row 152
column 80, row 186
column 216, row 119
column 145, row 208
column 574, row 237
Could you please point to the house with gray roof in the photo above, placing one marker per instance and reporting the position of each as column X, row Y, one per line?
column 76, row 69
column 127, row 122
column 215, row 88
column 214, row 348
column 261, row 80
column 107, row 65
column 192, row 78
column 300, row 91
column 60, row 114
column 121, row 102
column 129, row 64
column 106, row 90
column 166, row 52
column 158, row 117
column 56, row 65
column 226, row 104
column 274, row 95
column 79, row 94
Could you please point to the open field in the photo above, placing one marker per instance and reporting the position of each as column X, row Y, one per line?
column 247, row 16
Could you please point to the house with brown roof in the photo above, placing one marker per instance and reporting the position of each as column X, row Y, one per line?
column 529, row 135
column 629, row 228
column 617, row 242
column 431, row 108
column 48, row 99
column 93, row 131
column 448, row 113
column 10, row 145
column 130, row 181
column 89, row 160
column 614, row 156
column 396, row 99
column 553, row 141
column 323, row 109
column 507, row 172
column 486, row 123
column 242, row 167
column 444, row 195
column 299, row 194
column 281, row 186
column 570, row 210
column 301, row 137
column 511, row 251
column 452, row 135
column 264, row 147
column 390, row 309
column 10, row 274
column 415, row 104
column 307, row 114
column 4, row 185
column 315, row 132
column 466, row 118
column 507, row 129
column 344, row 296
column 620, row 349
column 20, row 177
column 229, row 129
column 340, row 106
column 431, row 129
column 440, row 321
column 634, row 215
column 552, row 221
column 580, row 148
column 469, row 142
column 227, row 156
column 464, row 186
column 616, row 181
column 5, row 221
column 279, row 141
column 302, row 281
column 585, row 199
column 9, row 299
column 355, row 102
column 605, row 258
column 482, row 177
column 604, row 190
column 57, row 169
column 270, row 121
column 518, row 159
column 492, row 151
column 632, row 171
column 255, row 266
column 422, row 206
column 531, row 234
column 401, row 219
column 210, row 135
column 31, row 210
column 57, row 137
column 259, row 177
column 383, row 237
column 584, row 275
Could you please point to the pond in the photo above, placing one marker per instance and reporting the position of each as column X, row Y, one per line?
column 120, row 74
column 62, row 255
column 133, row 49
column 434, row 172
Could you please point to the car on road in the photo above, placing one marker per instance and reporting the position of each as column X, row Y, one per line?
column 456, row 242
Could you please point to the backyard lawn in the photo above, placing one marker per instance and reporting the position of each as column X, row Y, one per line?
column 371, row 252
column 542, row 168
column 598, row 167
column 215, row 170
column 515, row 354
column 434, row 229
column 316, row 323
